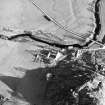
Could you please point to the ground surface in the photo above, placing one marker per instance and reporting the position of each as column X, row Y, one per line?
column 29, row 73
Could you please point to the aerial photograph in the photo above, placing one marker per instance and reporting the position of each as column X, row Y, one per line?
column 52, row 52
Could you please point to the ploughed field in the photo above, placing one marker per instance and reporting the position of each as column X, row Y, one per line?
column 73, row 81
